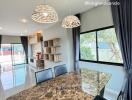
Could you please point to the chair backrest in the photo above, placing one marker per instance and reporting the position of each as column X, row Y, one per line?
column 102, row 92
column 60, row 70
column 44, row 75
column 100, row 96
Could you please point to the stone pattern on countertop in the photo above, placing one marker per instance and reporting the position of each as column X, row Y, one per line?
column 70, row 86
column 65, row 87
column 94, row 80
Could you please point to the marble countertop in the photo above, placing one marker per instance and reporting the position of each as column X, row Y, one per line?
column 64, row 87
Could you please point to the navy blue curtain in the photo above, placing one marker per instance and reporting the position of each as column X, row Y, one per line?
column 24, row 40
column 122, row 18
column 0, row 40
column 76, row 45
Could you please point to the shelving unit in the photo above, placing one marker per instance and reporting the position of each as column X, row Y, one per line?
column 51, row 57
column 46, row 56
column 45, row 43
column 34, row 39
column 50, row 43
column 47, row 50
column 52, row 50
column 36, row 45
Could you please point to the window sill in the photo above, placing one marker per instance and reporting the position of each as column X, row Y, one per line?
column 101, row 62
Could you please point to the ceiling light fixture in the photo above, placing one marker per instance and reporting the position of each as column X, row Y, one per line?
column 24, row 20
column 25, row 31
column 22, row 34
column 1, row 28
column 71, row 22
column 44, row 14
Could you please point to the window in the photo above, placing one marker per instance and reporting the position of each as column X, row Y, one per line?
column 100, row 45
column 88, row 46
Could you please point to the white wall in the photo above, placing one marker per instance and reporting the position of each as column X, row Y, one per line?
column 97, row 18
column 57, row 31
column 10, row 39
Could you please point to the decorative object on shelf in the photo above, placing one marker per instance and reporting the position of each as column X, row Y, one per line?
column 44, row 14
column 39, row 56
column 40, row 63
column 71, row 22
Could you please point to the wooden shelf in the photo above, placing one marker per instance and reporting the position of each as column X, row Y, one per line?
column 51, row 57
column 33, row 39
column 50, row 43
column 46, row 56
column 53, row 53
column 45, row 43
column 52, row 50
column 56, row 42
column 57, row 58
column 55, row 50
column 47, row 50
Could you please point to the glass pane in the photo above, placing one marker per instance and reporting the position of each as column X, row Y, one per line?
column 109, row 50
column 5, row 57
column 88, row 46
column 18, row 54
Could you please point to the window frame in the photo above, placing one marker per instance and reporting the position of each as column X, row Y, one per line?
column 97, row 51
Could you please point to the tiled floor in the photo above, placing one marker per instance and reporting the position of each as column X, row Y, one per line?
column 16, row 80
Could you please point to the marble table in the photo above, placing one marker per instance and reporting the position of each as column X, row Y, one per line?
column 66, row 87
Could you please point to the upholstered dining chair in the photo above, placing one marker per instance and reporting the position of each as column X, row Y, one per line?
column 44, row 75
column 60, row 70
column 100, row 96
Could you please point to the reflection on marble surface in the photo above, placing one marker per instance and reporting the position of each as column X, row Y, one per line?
column 66, row 87
column 93, row 81
column 16, row 80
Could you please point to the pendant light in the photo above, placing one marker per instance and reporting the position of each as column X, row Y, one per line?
column 44, row 14
column 71, row 21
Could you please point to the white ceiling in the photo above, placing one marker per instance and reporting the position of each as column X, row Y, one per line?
column 12, row 11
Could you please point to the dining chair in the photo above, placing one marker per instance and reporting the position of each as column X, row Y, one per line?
column 60, row 70
column 43, row 75
column 100, row 96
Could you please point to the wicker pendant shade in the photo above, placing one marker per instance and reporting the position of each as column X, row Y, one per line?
column 70, row 22
column 44, row 14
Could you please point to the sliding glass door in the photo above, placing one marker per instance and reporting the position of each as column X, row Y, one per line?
column 5, row 57
column 18, row 55
column 11, row 55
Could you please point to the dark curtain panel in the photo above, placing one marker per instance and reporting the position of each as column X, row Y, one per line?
column 76, row 45
column 122, row 17
column 0, row 40
column 24, row 40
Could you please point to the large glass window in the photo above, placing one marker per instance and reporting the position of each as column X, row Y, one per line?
column 88, row 46
column 100, row 45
